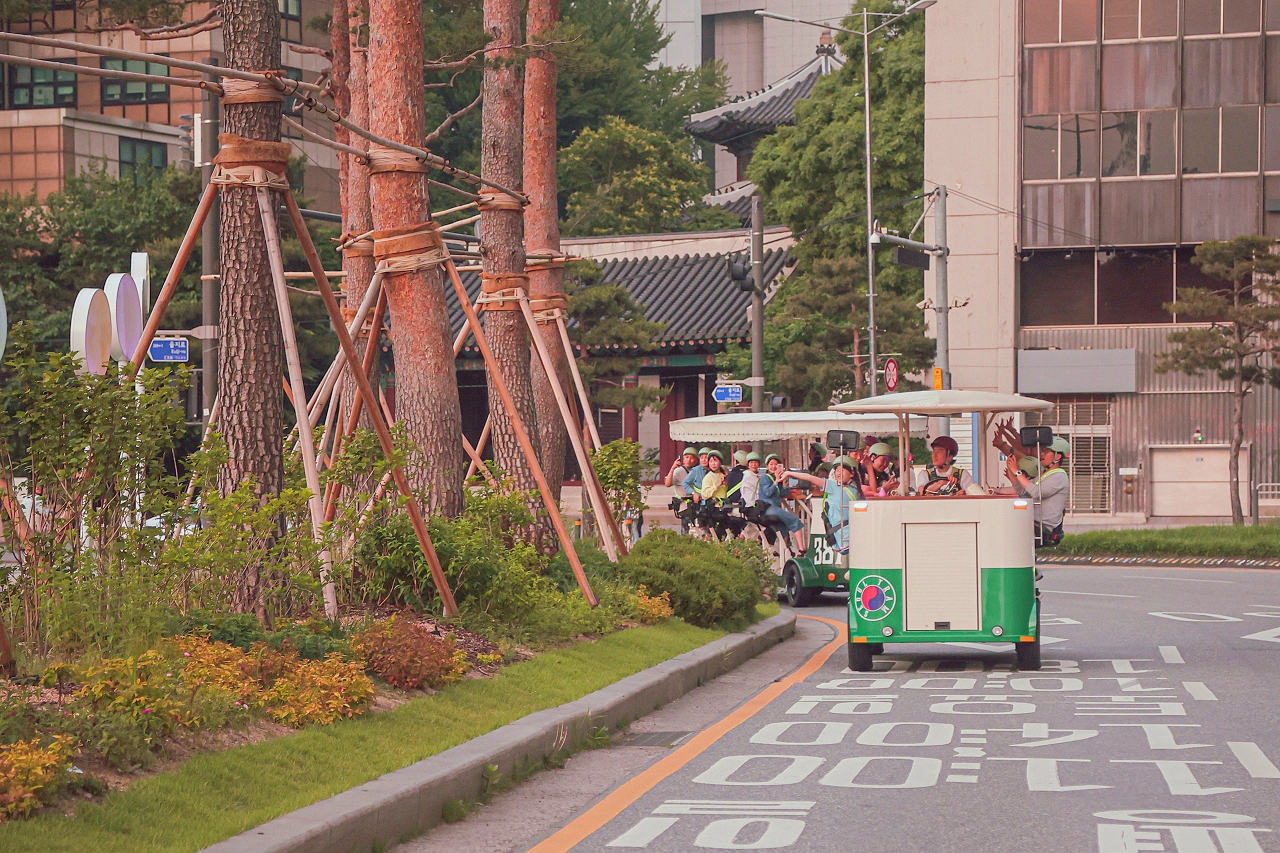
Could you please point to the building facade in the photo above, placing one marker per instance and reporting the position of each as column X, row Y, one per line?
column 56, row 123
column 1089, row 146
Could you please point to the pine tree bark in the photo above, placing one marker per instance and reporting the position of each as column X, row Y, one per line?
column 357, row 214
column 426, row 380
column 252, row 351
column 542, row 230
column 500, row 228
column 340, row 73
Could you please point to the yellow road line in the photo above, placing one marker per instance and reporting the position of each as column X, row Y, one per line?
column 633, row 789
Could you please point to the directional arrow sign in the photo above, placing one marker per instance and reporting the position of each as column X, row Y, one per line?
column 728, row 394
column 169, row 349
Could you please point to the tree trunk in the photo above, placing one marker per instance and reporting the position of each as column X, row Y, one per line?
column 357, row 214
column 426, row 381
column 251, row 353
column 1238, row 393
column 340, row 74
column 542, row 230
column 500, row 228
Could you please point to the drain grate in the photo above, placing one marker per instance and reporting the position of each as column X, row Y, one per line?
column 657, row 739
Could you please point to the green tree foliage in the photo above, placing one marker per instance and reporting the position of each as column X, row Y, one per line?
column 606, row 320
column 813, row 180
column 103, row 13
column 1241, row 338
column 623, row 179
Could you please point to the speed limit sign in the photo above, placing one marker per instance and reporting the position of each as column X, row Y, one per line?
column 891, row 375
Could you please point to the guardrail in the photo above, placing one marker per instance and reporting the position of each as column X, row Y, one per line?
column 1265, row 492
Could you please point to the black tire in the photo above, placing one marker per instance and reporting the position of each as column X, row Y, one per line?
column 861, row 656
column 1029, row 653
column 797, row 593
column 876, row 648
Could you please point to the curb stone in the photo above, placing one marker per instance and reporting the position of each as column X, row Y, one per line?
column 1206, row 562
column 409, row 801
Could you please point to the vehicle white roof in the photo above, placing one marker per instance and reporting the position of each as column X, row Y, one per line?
column 949, row 402
column 771, row 426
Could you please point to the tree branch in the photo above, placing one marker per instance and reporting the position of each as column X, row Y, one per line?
column 187, row 28
column 447, row 123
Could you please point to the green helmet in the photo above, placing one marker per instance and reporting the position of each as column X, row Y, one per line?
column 846, row 461
column 1029, row 466
column 771, row 457
column 820, row 447
column 715, row 454
column 703, row 451
column 1061, row 445
column 740, row 457
column 752, row 457
column 880, row 449
column 689, row 451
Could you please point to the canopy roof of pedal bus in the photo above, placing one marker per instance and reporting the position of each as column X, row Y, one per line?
column 772, row 426
column 941, row 403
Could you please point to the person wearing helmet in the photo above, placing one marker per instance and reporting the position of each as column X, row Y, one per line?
column 817, row 456
column 711, row 496
column 733, row 478
column 675, row 480
column 881, row 478
column 1048, row 490
column 750, row 491
column 840, row 489
column 941, row 476
column 774, row 483
column 693, row 480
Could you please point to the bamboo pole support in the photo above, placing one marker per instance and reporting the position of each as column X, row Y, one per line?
column 522, row 434
column 478, row 460
column 366, row 393
column 611, row 536
column 294, row 360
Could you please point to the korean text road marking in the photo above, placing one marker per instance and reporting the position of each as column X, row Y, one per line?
column 1250, row 755
column 1171, row 654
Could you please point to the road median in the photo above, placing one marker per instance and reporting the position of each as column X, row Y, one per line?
column 408, row 801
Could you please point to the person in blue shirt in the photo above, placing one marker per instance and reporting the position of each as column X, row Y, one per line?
column 773, row 485
column 840, row 488
column 693, row 480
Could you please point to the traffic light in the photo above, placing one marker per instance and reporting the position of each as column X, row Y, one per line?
column 740, row 272
column 188, row 141
column 778, row 402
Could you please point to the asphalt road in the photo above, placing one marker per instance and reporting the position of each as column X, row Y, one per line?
column 1154, row 725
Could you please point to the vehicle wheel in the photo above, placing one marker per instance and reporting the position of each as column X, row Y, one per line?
column 860, row 656
column 876, row 648
column 797, row 595
column 1029, row 653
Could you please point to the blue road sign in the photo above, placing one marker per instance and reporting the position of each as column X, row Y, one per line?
column 169, row 349
column 728, row 394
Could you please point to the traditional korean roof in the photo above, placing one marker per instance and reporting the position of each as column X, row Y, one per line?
column 702, row 307
column 738, row 124
column 734, row 197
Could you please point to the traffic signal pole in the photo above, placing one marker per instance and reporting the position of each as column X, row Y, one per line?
column 757, row 304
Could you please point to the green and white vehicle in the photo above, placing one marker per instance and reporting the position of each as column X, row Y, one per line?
column 942, row 569
column 821, row 569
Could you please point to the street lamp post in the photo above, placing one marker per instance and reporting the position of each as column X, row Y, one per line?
column 866, row 33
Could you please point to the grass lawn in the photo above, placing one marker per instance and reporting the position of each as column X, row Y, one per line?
column 1261, row 542
column 217, row 795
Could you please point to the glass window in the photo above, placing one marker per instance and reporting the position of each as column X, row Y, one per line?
column 1271, row 133
column 1041, row 21
column 1079, row 20
column 1057, row 288
column 1189, row 275
column 134, row 91
column 1203, row 17
column 1079, row 146
column 1139, row 75
column 41, row 87
column 1158, row 143
column 1241, row 16
column 1273, row 15
column 1273, row 66
column 1199, row 141
column 1239, row 139
column 1221, row 72
column 1119, row 19
column 1040, row 148
column 1119, row 144
column 1133, row 287
column 1159, row 18
column 291, row 9
column 140, row 158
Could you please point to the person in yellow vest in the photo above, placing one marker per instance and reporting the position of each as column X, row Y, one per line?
column 1049, row 489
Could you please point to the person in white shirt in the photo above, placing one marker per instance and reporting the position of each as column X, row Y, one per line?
column 941, row 476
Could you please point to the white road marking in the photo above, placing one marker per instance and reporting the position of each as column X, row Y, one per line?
column 955, row 777
column 1250, row 755
column 1163, row 578
column 1123, row 666
column 1171, row 654
column 1160, row 735
column 969, row 752
column 1100, row 594
column 646, row 830
column 723, row 834
column 1185, row 616
column 965, row 765
column 1178, row 776
column 973, row 731
column 1271, row 635
column 1199, row 691
column 1042, row 774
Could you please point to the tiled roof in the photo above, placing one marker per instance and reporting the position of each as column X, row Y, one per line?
column 692, row 295
column 734, row 124
column 735, row 198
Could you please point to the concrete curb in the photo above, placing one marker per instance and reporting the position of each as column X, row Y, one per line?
column 1206, row 562
column 407, row 802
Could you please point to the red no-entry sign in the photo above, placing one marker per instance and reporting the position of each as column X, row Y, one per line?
column 890, row 375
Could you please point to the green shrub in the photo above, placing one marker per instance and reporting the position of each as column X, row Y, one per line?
column 241, row 630
column 594, row 562
column 707, row 584
column 761, row 564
